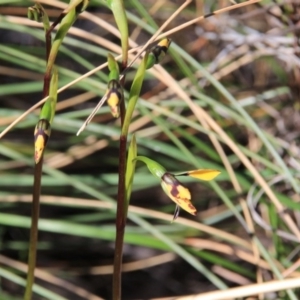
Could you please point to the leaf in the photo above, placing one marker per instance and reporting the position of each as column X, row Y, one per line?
column 130, row 168
column 178, row 193
column 117, row 7
column 69, row 16
column 203, row 174
column 79, row 6
column 53, row 94
column 134, row 94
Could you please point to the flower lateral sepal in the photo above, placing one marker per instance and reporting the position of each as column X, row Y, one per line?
column 203, row 174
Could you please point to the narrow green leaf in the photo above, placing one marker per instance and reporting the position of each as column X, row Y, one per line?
column 43, row 292
column 134, row 94
column 53, row 93
column 75, row 8
column 46, row 110
column 130, row 169
column 117, row 7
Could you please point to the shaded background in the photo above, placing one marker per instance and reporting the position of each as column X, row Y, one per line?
column 253, row 52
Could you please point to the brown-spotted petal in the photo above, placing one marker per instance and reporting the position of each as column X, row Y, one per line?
column 177, row 192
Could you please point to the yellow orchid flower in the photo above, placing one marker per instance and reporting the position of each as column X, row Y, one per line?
column 173, row 188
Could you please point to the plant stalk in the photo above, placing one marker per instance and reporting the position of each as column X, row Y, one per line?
column 121, row 214
column 35, row 208
column 35, row 211
column 122, row 204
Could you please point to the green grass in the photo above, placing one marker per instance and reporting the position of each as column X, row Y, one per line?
column 182, row 122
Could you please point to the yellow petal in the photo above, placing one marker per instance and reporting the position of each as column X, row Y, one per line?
column 114, row 95
column 113, row 101
column 41, row 136
column 178, row 193
column 39, row 147
column 203, row 174
column 158, row 52
column 165, row 43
